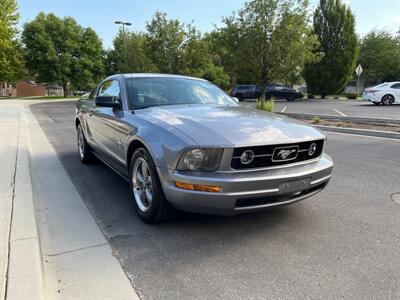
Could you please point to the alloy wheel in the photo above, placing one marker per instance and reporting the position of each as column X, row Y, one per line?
column 387, row 100
column 81, row 142
column 142, row 184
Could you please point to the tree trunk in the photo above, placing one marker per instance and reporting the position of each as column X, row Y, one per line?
column 65, row 88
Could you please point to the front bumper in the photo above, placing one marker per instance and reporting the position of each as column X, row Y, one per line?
column 249, row 190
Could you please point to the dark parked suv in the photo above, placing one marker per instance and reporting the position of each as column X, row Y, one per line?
column 246, row 92
column 279, row 91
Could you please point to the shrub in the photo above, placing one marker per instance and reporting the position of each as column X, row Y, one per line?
column 316, row 120
column 352, row 95
column 310, row 96
column 267, row 105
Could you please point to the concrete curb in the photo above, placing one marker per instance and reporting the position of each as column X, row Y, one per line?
column 365, row 132
column 77, row 260
column 24, row 274
column 379, row 121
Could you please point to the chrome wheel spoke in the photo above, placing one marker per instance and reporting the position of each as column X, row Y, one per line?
column 142, row 184
column 145, row 170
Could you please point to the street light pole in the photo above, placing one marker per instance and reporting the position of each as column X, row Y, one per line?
column 123, row 40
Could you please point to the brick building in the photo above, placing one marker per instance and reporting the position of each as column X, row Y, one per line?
column 30, row 88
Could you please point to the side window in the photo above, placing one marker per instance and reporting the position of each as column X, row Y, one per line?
column 110, row 88
column 396, row 86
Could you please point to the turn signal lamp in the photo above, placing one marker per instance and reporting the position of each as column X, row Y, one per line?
column 198, row 187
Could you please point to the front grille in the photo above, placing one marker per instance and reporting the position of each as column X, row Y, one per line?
column 267, row 156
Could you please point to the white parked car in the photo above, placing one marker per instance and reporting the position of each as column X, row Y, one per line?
column 386, row 93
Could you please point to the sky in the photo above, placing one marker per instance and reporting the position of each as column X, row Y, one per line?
column 101, row 14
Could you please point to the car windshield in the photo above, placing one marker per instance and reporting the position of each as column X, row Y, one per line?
column 148, row 92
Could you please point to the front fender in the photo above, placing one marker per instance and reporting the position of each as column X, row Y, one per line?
column 164, row 142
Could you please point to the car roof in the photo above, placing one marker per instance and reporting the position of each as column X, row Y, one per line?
column 153, row 75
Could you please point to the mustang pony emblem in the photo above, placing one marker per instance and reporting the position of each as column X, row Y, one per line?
column 285, row 153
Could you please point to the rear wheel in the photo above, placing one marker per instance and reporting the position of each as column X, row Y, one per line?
column 150, row 203
column 85, row 153
column 387, row 100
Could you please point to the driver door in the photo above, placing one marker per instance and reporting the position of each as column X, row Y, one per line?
column 101, row 121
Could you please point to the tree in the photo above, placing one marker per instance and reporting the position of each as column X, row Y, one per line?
column 61, row 51
column 380, row 57
column 11, row 61
column 198, row 61
column 175, row 48
column 164, row 43
column 129, row 54
column 334, row 26
column 269, row 40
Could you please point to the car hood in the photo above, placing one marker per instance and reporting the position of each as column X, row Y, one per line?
column 232, row 126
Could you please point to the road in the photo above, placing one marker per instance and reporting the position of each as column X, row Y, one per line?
column 342, row 243
column 336, row 108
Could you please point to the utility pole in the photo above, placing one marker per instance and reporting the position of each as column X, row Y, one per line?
column 124, row 41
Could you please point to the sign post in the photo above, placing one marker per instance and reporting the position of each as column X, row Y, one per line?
column 358, row 70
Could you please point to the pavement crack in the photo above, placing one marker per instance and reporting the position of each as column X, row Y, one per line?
column 23, row 239
column 11, row 215
column 76, row 250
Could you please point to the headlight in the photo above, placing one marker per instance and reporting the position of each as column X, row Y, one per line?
column 207, row 159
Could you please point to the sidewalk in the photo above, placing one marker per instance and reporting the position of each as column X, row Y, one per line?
column 50, row 247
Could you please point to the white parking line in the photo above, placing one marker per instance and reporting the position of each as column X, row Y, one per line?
column 283, row 109
column 339, row 112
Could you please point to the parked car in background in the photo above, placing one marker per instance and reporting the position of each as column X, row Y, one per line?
column 247, row 91
column 279, row 91
column 183, row 143
column 386, row 93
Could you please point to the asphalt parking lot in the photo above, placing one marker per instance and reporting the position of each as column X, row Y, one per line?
column 342, row 243
column 335, row 108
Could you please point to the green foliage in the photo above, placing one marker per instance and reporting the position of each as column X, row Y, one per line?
column 334, row 26
column 316, row 120
column 165, row 43
column 11, row 61
column 167, row 46
column 128, row 55
column 267, row 105
column 380, row 57
column 61, row 51
column 269, row 40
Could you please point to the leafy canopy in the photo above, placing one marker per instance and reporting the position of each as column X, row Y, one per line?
column 11, row 62
column 380, row 57
column 61, row 51
column 334, row 26
column 268, row 40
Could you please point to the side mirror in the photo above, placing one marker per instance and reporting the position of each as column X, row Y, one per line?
column 236, row 100
column 107, row 101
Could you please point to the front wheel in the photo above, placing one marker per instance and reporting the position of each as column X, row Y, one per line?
column 150, row 203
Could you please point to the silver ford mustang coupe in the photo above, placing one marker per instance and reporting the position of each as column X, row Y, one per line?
column 182, row 143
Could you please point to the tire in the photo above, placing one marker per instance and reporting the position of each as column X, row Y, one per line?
column 85, row 153
column 387, row 99
column 291, row 98
column 148, row 196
